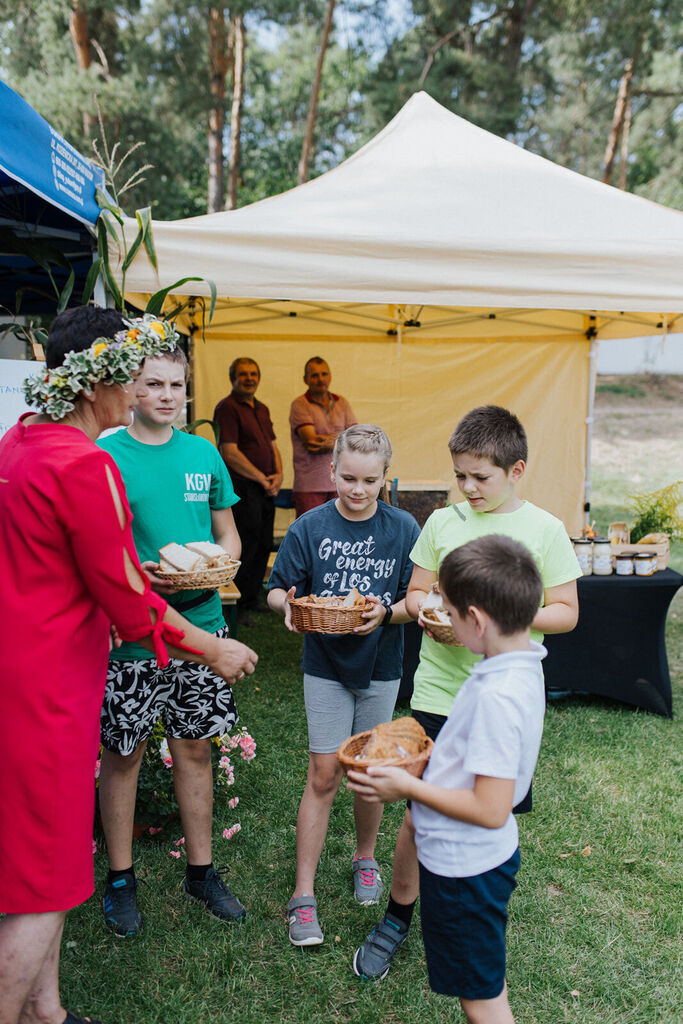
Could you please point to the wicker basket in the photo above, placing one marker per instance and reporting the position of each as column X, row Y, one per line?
column 202, row 579
column 312, row 617
column 347, row 756
column 441, row 633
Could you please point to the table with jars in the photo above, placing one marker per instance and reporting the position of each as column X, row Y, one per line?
column 618, row 648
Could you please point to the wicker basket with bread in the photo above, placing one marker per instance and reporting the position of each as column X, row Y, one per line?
column 402, row 743
column 434, row 619
column 197, row 565
column 333, row 615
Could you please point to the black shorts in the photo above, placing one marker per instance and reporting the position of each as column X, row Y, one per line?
column 191, row 700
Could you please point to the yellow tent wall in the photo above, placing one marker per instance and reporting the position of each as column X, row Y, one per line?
column 417, row 388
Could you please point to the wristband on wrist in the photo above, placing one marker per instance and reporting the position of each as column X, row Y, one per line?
column 387, row 616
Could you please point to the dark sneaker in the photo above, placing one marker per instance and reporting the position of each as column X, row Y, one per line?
column 120, row 906
column 216, row 897
column 304, row 927
column 367, row 883
column 373, row 959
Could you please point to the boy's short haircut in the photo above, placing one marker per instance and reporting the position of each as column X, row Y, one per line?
column 490, row 432
column 76, row 329
column 232, row 371
column 496, row 574
column 176, row 355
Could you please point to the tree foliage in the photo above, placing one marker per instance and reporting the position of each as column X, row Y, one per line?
column 546, row 75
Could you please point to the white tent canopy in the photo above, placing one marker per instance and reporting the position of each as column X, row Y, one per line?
column 437, row 268
column 436, row 211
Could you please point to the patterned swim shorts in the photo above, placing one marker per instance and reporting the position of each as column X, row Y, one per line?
column 191, row 700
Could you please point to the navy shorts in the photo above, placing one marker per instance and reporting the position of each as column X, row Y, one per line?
column 463, row 930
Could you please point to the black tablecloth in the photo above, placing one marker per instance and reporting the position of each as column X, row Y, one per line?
column 617, row 649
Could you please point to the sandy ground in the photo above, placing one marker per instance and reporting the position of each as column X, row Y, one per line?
column 638, row 438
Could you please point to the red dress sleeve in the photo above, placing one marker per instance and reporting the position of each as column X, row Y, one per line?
column 101, row 545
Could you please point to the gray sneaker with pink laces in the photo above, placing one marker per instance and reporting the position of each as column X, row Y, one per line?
column 367, row 882
column 304, row 927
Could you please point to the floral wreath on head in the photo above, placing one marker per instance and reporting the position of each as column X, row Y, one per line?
column 109, row 360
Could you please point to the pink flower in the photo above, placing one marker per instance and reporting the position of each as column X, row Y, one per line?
column 228, row 833
column 174, row 853
column 154, row 831
column 97, row 767
column 245, row 742
column 224, row 763
column 248, row 746
column 232, row 804
column 94, row 847
column 179, row 842
column 168, row 762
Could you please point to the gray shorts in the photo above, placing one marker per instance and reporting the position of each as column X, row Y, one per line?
column 190, row 699
column 334, row 712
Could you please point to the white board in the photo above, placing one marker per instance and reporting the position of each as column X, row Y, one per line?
column 13, row 372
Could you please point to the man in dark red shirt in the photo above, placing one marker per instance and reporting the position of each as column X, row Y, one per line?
column 247, row 444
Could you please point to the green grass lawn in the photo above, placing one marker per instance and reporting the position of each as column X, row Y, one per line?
column 595, row 923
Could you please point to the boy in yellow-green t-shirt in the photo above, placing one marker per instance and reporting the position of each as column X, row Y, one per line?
column 489, row 451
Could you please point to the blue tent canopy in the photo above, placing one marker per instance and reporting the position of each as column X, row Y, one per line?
column 47, row 197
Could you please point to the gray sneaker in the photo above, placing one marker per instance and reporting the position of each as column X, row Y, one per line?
column 304, row 927
column 367, row 882
column 373, row 959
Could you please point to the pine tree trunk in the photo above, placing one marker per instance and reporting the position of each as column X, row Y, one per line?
column 620, row 107
column 307, row 147
column 518, row 14
column 78, row 28
column 236, row 111
column 218, row 69
column 623, row 152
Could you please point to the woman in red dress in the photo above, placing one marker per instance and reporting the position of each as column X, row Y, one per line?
column 69, row 570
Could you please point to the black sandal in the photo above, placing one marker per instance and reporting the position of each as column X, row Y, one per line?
column 70, row 1019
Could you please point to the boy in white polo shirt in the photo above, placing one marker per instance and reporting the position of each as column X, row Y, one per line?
column 482, row 764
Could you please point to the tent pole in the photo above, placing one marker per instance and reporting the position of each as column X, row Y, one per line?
column 592, row 373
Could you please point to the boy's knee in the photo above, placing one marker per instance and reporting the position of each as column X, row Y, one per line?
column 190, row 753
column 324, row 781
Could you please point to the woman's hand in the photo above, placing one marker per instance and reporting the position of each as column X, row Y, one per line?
column 232, row 660
column 381, row 785
column 374, row 616
column 157, row 584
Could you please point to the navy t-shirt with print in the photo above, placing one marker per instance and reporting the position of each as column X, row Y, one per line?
column 323, row 553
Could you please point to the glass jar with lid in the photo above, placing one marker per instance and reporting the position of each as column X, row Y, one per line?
column 584, row 552
column 623, row 564
column 602, row 557
column 645, row 563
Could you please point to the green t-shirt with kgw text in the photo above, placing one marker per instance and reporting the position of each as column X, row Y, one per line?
column 172, row 489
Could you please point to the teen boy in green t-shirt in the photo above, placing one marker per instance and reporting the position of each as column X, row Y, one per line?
column 179, row 490
column 489, row 451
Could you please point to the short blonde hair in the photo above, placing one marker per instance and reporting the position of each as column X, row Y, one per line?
column 365, row 439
